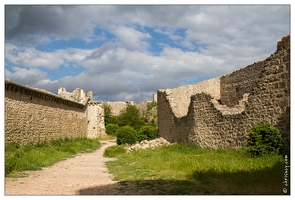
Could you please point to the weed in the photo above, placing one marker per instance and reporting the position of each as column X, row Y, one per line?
column 19, row 158
column 182, row 169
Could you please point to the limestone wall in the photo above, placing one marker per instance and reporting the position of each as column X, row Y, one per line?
column 33, row 115
column 77, row 95
column 95, row 114
column 181, row 96
column 142, row 107
column 257, row 93
column 116, row 107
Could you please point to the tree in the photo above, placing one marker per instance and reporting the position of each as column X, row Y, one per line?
column 130, row 116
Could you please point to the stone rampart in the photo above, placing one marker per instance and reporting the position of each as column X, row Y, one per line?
column 95, row 114
column 181, row 96
column 116, row 107
column 34, row 115
column 77, row 95
column 257, row 93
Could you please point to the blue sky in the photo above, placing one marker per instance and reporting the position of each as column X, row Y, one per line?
column 127, row 52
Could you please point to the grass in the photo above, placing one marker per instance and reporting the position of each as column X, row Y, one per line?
column 106, row 137
column 19, row 158
column 114, row 151
column 182, row 169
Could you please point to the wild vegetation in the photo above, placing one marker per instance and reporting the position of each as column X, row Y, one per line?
column 19, row 158
column 129, row 126
column 182, row 169
column 186, row 169
column 264, row 139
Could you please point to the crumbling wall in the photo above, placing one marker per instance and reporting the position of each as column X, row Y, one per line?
column 181, row 96
column 95, row 115
column 116, row 107
column 34, row 115
column 77, row 95
column 257, row 93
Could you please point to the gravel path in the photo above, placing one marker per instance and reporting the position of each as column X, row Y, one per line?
column 84, row 174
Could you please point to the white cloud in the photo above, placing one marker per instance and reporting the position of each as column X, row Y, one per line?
column 25, row 76
column 219, row 39
column 131, row 39
column 168, row 32
column 31, row 57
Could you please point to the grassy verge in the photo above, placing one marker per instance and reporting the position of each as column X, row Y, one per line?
column 114, row 151
column 180, row 169
column 106, row 137
column 19, row 158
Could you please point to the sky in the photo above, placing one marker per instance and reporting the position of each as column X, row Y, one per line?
column 128, row 52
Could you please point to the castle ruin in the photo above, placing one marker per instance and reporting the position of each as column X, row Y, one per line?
column 214, row 113
column 221, row 111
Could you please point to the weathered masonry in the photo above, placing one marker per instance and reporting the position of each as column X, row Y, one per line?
column 33, row 115
column 221, row 111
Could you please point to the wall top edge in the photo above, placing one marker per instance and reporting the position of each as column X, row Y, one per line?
column 42, row 93
column 283, row 44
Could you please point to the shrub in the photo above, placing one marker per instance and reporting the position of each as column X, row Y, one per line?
column 141, row 137
column 264, row 139
column 126, row 135
column 149, row 131
column 111, row 129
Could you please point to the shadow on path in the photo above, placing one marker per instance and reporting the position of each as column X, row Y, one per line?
column 266, row 181
column 145, row 187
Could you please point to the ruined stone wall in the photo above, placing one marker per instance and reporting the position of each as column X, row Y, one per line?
column 181, row 95
column 116, row 107
column 33, row 115
column 95, row 114
column 77, row 95
column 257, row 93
column 142, row 107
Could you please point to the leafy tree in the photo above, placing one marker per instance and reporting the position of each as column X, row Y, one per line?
column 107, row 113
column 151, row 105
column 130, row 117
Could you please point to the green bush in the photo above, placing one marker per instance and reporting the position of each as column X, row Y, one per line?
column 149, row 131
column 111, row 129
column 264, row 139
column 126, row 135
column 141, row 137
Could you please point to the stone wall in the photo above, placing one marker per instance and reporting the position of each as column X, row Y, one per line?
column 116, row 107
column 33, row 115
column 181, row 96
column 257, row 93
column 95, row 114
column 77, row 95
column 142, row 107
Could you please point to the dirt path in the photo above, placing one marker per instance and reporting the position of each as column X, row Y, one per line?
column 83, row 174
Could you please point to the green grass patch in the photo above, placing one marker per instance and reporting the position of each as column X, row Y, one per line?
column 114, row 151
column 19, row 158
column 182, row 169
column 106, row 137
